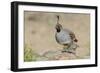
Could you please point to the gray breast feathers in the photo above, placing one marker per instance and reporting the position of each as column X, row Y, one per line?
column 63, row 37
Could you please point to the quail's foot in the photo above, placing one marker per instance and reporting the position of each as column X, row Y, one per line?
column 68, row 51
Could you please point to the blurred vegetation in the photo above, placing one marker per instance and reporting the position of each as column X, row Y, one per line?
column 29, row 54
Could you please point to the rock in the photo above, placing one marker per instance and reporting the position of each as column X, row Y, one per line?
column 59, row 55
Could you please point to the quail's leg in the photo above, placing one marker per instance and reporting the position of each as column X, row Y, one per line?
column 66, row 48
column 70, row 48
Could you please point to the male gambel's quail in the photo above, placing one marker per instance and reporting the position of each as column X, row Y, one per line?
column 64, row 36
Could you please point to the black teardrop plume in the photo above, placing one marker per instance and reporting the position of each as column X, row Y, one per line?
column 57, row 19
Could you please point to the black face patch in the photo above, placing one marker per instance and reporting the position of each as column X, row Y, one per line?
column 58, row 30
column 58, row 27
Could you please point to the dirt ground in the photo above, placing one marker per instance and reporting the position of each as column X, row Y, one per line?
column 39, row 32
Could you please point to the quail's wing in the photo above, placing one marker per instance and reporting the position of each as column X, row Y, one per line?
column 72, row 35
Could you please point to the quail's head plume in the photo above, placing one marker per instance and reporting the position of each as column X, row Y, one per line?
column 58, row 26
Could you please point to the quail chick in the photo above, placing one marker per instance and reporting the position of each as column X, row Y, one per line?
column 64, row 37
